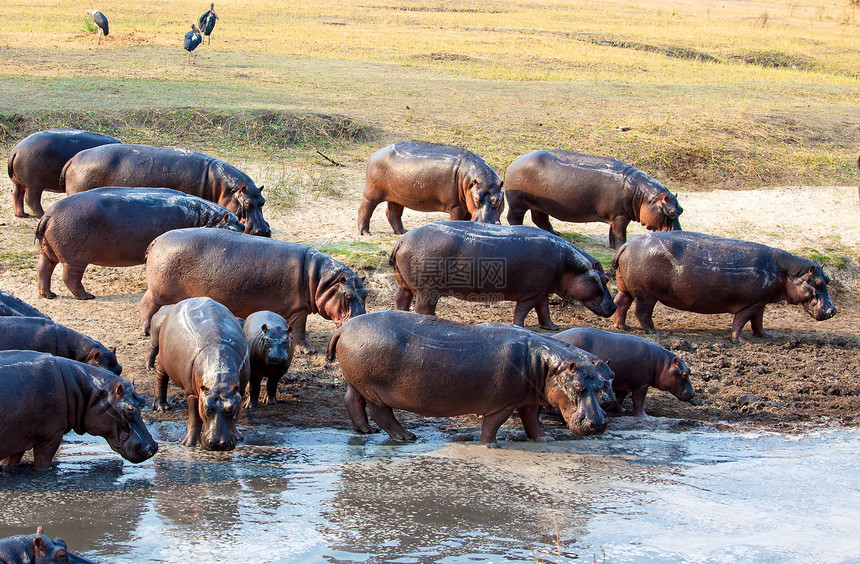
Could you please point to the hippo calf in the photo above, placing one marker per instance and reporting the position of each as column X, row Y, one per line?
column 200, row 345
column 707, row 274
column 479, row 262
column 402, row 360
column 12, row 306
column 187, row 171
column 113, row 227
column 249, row 274
column 37, row 549
column 44, row 335
column 581, row 188
column 429, row 177
column 36, row 162
column 271, row 350
column 637, row 363
column 43, row 397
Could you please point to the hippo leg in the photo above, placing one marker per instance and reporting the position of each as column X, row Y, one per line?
column 298, row 321
column 740, row 319
column 425, row 302
column 11, row 461
column 355, row 406
column 18, row 192
column 531, row 424
column 148, row 307
column 73, row 276
column 523, row 308
column 384, row 417
column 253, row 392
column 622, row 304
column 159, row 403
column 542, row 311
column 195, row 424
column 516, row 215
column 542, row 220
column 757, row 323
column 44, row 270
column 403, row 298
column 491, row 424
column 616, row 405
column 364, row 213
column 638, row 397
column 272, row 390
column 644, row 310
column 34, row 202
column 618, row 231
column 43, row 453
column 394, row 213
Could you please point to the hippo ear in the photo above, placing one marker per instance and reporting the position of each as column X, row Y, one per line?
column 341, row 279
column 362, row 278
column 243, row 189
column 264, row 328
column 676, row 362
column 39, row 545
column 261, row 187
column 607, row 361
column 119, row 391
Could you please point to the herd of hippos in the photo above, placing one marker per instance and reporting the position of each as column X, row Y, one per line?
column 227, row 307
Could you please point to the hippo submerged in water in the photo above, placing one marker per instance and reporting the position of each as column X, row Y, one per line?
column 37, row 549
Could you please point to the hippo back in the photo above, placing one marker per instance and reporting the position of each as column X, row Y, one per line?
column 12, row 306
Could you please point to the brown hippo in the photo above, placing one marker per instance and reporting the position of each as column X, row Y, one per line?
column 249, row 274
column 402, row 360
column 12, row 306
column 199, row 345
column 707, row 274
column 43, row 335
column 193, row 173
column 37, row 549
column 581, row 188
column 43, row 397
column 429, row 177
column 112, row 227
column 36, row 162
column 637, row 364
column 271, row 350
column 480, row 262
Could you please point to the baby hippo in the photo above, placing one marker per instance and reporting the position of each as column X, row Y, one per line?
column 271, row 350
column 199, row 345
column 37, row 549
column 637, row 364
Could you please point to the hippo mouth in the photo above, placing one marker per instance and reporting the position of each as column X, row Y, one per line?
column 819, row 309
column 582, row 428
column 133, row 447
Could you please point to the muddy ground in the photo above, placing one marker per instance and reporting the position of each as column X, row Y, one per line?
column 807, row 374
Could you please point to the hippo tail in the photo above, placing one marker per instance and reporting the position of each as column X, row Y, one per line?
column 617, row 257
column 42, row 228
column 10, row 169
column 63, row 176
column 392, row 258
column 332, row 347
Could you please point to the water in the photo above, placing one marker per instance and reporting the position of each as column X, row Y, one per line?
column 648, row 494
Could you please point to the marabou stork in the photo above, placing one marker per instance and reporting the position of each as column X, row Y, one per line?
column 207, row 22
column 101, row 21
column 192, row 40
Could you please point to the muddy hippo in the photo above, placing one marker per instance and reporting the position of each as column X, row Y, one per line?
column 707, row 274
column 249, row 274
column 43, row 335
column 581, row 188
column 193, row 173
column 112, row 226
column 637, row 364
column 37, row 549
column 43, row 397
column 429, row 177
column 271, row 350
column 479, row 262
column 199, row 345
column 12, row 306
column 402, row 360
column 36, row 162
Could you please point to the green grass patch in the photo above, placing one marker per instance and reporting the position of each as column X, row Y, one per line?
column 22, row 260
column 355, row 254
column 825, row 259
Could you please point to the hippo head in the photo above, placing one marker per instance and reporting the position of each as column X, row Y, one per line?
column 104, row 358
column 247, row 203
column 485, row 199
column 675, row 379
column 114, row 413
column 46, row 550
column 219, row 407
column 586, row 282
column 342, row 298
column 809, row 288
column 659, row 210
column 229, row 221
column 577, row 389
column 275, row 345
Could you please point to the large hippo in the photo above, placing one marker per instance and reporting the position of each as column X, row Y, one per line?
column 707, row 274
column 36, row 162
column 43, row 397
column 402, row 360
column 480, row 262
column 44, row 335
column 581, row 188
column 12, row 306
column 187, row 171
column 113, row 226
column 271, row 350
column 637, row 363
column 249, row 274
column 37, row 549
column 429, row 177
column 200, row 345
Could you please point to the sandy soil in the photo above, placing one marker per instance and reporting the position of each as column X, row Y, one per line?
column 806, row 374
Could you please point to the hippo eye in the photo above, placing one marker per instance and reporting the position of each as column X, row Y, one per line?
column 129, row 409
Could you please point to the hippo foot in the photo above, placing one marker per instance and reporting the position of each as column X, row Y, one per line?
column 22, row 214
column 305, row 348
column 368, row 430
column 365, row 232
column 160, row 406
column 84, row 296
column 406, row 436
column 271, row 400
column 493, row 444
column 190, row 441
column 622, row 326
column 740, row 339
column 543, row 439
column 549, row 326
column 48, row 295
column 250, row 404
column 763, row 335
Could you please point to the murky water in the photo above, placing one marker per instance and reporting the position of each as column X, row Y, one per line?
column 323, row 495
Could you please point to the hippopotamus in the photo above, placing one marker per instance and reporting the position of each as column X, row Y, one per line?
column 12, row 306
column 44, row 335
column 480, row 262
column 187, row 171
column 45, row 396
column 113, row 226
column 429, row 177
column 581, row 188
column 36, row 162
column 249, row 274
column 637, row 364
column 427, row 365
column 200, row 345
column 707, row 274
column 271, row 350
column 37, row 549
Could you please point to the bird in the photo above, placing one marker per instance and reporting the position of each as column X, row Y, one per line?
column 207, row 21
column 192, row 40
column 101, row 21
